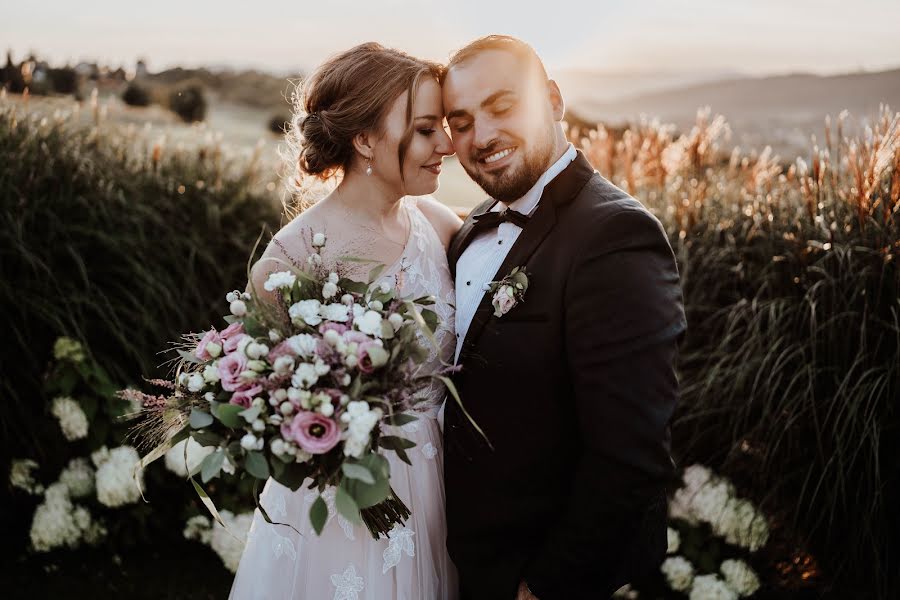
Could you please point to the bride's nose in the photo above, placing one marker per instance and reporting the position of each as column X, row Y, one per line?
column 445, row 144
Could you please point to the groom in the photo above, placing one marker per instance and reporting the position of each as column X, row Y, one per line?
column 574, row 385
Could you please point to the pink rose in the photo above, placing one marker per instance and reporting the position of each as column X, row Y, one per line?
column 282, row 349
column 503, row 301
column 211, row 336
column 230, row 369
column 232, row 343
column 356, row 336
column 232, row 330
column 314, row 433
column 362, row 353
column 243, row 397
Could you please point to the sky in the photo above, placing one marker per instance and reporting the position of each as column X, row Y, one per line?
column 682, row 36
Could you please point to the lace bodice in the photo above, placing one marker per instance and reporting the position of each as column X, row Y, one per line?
column 422, row 270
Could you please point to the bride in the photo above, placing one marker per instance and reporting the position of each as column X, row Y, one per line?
column 374, row 116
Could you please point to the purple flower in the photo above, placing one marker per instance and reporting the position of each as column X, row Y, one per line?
column 230, row 369
column 243, row 397
column 211, row 336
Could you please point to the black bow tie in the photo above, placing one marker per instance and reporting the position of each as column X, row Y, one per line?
column 492, row 219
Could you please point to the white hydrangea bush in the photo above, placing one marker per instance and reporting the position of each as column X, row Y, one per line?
column 228, row 542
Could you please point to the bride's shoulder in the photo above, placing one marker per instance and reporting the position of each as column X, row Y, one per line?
column 289, row 247
column 443, row 219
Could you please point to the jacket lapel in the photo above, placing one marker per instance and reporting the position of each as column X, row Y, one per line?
column 465, row 234
column 558, row 192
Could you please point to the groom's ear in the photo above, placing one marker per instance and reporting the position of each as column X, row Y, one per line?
column 363, row 143
column 556, row 100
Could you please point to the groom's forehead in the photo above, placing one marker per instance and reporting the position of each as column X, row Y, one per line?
column 468, row 83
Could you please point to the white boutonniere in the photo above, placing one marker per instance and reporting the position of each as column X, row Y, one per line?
column 509, row 291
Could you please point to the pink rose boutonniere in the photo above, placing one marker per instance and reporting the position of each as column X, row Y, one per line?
column 509, row 291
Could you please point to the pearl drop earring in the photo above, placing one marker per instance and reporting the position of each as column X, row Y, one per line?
column 369, row 168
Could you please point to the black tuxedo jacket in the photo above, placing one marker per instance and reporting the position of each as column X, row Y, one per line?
column 574, row 388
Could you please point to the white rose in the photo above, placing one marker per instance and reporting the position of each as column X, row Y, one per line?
column 195, row 382
column 281, row 279
column 305, row 311
column 286, row 408
column 238, row 308
column 326, row 409
column 329, row 290
column 369, row 323
column 335, row 312
column 319, row 240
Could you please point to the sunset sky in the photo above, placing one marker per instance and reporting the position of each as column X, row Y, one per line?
column 754, row 37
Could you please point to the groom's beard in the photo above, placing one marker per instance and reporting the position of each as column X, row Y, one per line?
column 515, row 181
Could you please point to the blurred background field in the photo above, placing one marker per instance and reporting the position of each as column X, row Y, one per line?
column 132, row 198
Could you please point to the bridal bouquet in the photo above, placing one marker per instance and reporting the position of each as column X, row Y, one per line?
column 315, row 387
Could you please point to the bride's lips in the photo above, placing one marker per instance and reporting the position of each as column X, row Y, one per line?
column 433, row 168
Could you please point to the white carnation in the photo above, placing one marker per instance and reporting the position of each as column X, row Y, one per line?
column 72, row 420
column 696, row 476
column 708, row 503
column 329, row 290
column 304, row 376
column 742, row 525
column 281, row 279
column 283, row 365
column 369, row 323
column 20, row 476
column 196, row 452
column 360, row 420
column 305, row 311
column 78, row 477
column 302, row 344
column 336, row 312
column 740, row 577
column 116, row 484
column 679, row 573
column 710, row 587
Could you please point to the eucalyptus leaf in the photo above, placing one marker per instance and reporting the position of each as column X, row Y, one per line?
column 346, row 506
column 206, row 438
column 211, row 465
column 256, row 464
column 200, row 418
column 228, row 414
column 355, row 471
column 318, row 514
column 400, row 419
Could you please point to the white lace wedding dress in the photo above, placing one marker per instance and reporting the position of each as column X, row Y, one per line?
column 345, row 562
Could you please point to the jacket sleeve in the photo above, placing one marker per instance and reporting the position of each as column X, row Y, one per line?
column 623, row 320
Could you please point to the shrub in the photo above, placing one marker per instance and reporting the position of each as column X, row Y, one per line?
column 63, row 80
column 279, row 124
column 136, row 95
column 188, row 102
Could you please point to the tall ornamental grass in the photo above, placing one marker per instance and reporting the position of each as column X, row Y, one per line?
column 120, row 244
column 790, row 371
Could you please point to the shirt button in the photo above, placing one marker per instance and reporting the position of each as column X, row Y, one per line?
column 457, row 336
column 468, row 283
column 499, row 241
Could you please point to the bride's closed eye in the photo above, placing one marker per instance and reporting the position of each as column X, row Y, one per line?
column 426, row 132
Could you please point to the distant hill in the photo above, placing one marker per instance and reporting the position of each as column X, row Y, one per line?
column 255, row 89
column 798, row 96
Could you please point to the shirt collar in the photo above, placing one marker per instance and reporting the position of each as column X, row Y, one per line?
column 527, row 203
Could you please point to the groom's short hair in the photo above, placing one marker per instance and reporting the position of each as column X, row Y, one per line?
column 523, row 52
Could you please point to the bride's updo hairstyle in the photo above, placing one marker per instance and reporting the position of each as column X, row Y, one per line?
column 348, row 94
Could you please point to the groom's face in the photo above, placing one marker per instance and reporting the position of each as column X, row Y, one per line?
column 502, row 118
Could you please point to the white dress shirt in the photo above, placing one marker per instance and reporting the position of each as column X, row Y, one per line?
column 479, row 262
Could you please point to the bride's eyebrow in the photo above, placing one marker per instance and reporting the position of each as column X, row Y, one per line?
column 428, row 117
